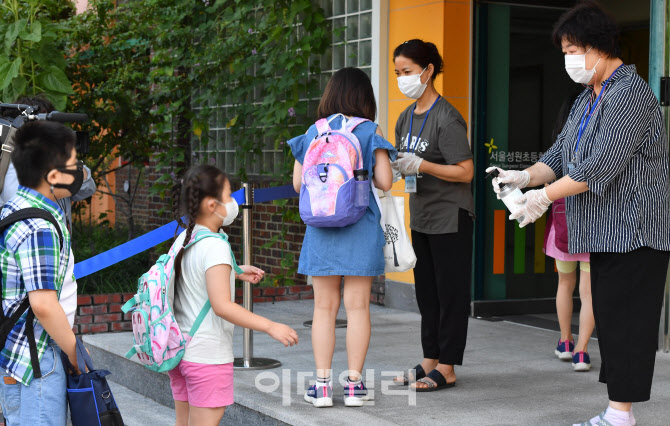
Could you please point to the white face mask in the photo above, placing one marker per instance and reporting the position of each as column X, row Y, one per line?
column 232, row 210
column 410, row 85
column 575, row 65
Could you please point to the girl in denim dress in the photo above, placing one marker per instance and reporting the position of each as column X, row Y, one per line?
column 354, row 252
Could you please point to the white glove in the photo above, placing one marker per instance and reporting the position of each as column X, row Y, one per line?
column 518, row 178
column 396, row 172
column 533, row 205
column 408, row 163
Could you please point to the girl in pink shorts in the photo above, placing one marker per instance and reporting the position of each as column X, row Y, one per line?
column 202, row 383
column 556, row 246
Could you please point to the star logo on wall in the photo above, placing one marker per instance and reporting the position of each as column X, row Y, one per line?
column 490, row 146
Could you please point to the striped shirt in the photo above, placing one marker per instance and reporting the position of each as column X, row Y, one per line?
column 623, row 157
column 30, row 259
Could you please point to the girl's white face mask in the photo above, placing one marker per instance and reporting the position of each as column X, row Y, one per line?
column 575, row 65
column 410, row 85
column 232, row 210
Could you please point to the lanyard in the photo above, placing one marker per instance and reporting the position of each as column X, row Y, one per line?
column 588, row 113
column 409, row 134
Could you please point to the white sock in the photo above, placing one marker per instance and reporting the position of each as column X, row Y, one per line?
column 354, row 382
column 594, row 421
column 322, row 382
column 632, row 417
column 617, row 417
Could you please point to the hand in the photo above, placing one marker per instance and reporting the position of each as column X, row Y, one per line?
column 520, row 179
column 283, row 334
column 251, row 274
column 408, row 163
column 533, row 205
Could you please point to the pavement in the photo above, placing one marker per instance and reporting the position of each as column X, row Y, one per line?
column 510, row 376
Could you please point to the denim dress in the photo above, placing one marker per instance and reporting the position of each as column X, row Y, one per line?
column 356, row 249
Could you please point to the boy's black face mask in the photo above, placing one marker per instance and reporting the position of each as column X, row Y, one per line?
column 78, row 174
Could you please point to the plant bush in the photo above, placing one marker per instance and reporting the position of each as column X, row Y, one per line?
column 88, row 241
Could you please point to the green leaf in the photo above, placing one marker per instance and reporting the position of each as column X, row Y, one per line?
column 48, row 54
column 18, row 86
column 54, row 79
column 35, row 33
column 58, row 100
column 232, row 122
column 13, row 31
column 8, row 72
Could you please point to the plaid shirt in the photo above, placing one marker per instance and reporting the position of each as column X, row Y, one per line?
column 30, row 259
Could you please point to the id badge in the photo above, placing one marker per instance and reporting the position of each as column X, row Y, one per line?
column 571, row 166
column 410, row 184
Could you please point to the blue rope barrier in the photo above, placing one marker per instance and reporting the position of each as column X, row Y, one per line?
column 133, row 247
column 270, row 194
column 164, row 233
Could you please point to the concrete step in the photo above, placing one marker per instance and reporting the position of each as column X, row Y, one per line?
column 107, row 351
column 138, row 410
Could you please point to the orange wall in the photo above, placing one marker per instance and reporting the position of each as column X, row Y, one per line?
column 448, row 25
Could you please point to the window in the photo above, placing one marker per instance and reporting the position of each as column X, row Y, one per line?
column 352, row 46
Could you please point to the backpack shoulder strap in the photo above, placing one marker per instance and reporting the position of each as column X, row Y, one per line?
column 322, row 126
column 206, row 234
column 200, row 318
column 31, row 213
column 354, row 122
column 208, row 305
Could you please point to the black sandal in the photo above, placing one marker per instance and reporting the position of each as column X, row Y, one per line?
column 439, row 382
column 420, row 374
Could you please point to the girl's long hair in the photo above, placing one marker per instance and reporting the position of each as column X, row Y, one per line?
column 199, row 182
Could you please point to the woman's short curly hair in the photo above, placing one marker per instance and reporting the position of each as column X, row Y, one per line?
column 588, row 25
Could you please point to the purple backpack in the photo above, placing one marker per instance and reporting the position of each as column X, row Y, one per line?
column 328, row 191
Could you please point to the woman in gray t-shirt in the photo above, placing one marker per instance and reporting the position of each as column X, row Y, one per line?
column 437, row 164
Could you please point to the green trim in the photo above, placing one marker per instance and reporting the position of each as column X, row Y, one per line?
column 657, row 45
column 519, row 249
column 157, row 320
column 128, row 305
column 201, row 317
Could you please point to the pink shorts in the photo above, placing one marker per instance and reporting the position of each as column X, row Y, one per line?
column 202, row 385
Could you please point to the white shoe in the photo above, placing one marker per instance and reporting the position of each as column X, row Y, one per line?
column 320, row 396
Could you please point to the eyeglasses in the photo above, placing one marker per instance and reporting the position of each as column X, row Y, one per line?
column 79, row 166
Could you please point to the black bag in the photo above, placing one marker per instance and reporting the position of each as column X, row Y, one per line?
column 88, row 394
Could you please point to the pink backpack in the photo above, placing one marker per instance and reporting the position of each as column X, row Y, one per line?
column 328, row 191
column 157, row 338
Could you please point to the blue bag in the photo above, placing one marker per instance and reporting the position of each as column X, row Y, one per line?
column 88, row 394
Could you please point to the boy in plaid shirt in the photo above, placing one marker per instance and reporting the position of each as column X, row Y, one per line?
column 33, row 263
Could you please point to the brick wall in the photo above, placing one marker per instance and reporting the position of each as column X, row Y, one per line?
column 278, row 294
column 101, row 313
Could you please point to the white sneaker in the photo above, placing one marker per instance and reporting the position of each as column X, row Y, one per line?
column 321, row 396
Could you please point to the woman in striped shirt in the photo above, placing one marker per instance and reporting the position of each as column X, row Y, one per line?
column 611, row 163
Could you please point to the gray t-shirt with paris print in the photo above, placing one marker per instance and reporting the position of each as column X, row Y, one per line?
column 434, row 207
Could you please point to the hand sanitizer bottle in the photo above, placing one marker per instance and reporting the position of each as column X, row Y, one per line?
column 508, row 194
